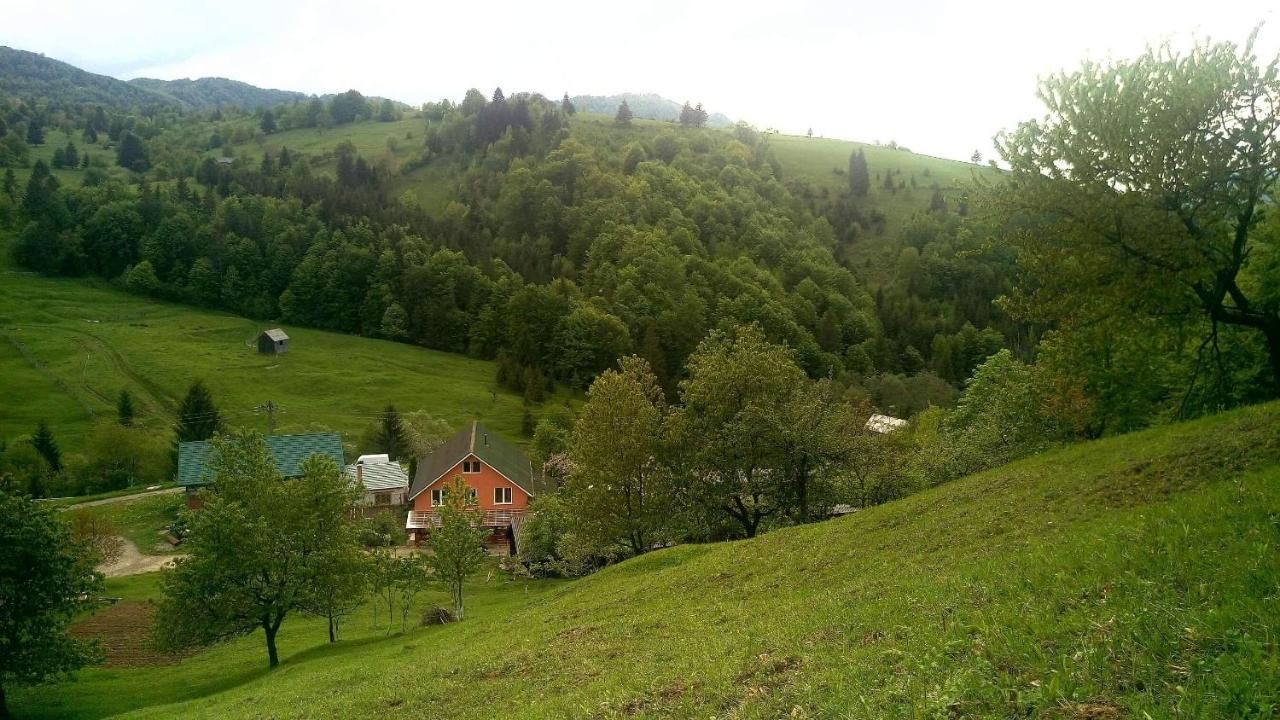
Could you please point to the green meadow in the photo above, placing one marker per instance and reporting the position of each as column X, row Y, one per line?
column 69, row 346
column 1133, row 577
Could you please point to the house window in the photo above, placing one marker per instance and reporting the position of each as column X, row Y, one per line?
column 471, row 467
column 383, row 498
column 472, row 497
column 437, row 497
column 502, row 496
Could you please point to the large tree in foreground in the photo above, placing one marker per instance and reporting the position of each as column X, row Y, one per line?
column 1141, row 191
column 45, row 576
column 259, row 550
column 619, row 489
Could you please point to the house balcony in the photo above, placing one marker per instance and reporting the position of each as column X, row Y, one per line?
column 427, row 519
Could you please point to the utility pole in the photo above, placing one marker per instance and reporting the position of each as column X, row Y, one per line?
column 270, row 409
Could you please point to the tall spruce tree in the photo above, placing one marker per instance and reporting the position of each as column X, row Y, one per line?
column 124, row 409
column 45, row 444
column 623, row 118
column 268, row 122
column 10, row 186
column 391, row 438
column 132, row 153
column 198, row 417
column 859, row 177
column 566, row 105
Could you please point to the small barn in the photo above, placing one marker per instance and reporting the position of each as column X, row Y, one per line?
column 273, row 341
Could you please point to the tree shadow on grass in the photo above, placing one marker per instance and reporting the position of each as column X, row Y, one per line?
column 91, row 701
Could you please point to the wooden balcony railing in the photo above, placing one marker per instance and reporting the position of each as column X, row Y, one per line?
column 420, row 519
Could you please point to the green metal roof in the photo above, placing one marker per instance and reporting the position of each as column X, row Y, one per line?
column 195, row 459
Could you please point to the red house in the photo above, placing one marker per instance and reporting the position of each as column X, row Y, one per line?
column 499, row 478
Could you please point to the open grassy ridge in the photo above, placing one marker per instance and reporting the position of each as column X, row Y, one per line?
column 67, row 348
column 1131, row 577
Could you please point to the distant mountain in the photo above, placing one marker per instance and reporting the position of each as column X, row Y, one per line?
column 643, row 105
column 29, row 75
column 210, row 92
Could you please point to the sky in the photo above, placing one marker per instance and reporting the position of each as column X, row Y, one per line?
column 941, row 78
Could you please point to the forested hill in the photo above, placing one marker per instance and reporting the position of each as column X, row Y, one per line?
column 29, row 75
column 648, row 106
column 514, row 228
column 211, row 92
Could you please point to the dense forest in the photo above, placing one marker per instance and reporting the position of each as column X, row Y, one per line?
column 562, row 250
column 568, row 242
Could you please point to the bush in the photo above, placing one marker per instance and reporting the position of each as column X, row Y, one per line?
column 438, row 616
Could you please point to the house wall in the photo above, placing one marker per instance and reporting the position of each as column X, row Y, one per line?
column 484, row 482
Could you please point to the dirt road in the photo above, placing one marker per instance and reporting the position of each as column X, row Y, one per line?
column 133, row 562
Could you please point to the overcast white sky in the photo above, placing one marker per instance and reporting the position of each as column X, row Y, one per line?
column 939, row 77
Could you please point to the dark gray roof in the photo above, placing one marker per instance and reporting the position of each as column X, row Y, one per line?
column 489, row 446
column 195, row 459
column 275, row 334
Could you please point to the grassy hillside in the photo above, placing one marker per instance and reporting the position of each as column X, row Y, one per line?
column 1129, row 577
column 67, row 348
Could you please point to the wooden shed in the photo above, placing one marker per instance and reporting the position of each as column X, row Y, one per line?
column 273, row 341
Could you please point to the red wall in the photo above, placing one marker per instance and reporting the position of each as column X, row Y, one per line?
column 484, row 482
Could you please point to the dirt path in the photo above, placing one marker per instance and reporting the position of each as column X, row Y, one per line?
column 133, row 562
column 123, row 498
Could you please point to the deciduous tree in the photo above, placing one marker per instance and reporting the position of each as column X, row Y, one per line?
column 1141, row 190
column 46, row 576
column 457, row 544
column 258, row 549
column 620, row 491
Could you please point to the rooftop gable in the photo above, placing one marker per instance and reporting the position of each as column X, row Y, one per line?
column 490, row 447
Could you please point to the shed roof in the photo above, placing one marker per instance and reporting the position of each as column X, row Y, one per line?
column 195, row 459
column 379, row 475
column 489, row 446
column 276, row 334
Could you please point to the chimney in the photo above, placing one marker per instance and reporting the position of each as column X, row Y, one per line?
column 360, row 473
column 486, row 439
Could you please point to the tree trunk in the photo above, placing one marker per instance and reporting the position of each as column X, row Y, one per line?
column 1273, row 348
column 273, row 658
column 4, row 705
column 457, row 600
column 333, row 630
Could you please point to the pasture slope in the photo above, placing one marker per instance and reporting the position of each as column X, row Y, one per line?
column 1130, row 577
column 69, row 346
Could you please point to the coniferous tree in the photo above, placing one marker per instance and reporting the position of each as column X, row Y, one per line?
column 45, row 444
column 859, row 178
column 35, row 132
column 90, row 135
column 59, row 159
column 285, row 160
column 71, row 156
column 937, row 203
column 10, row 186
column 124, row 409
column 132, row 153
column 566, row 105
column 391, row 438
column 198, row 417
column 623, row 118
column 268, row 123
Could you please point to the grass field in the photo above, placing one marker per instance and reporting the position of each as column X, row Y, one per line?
column 143, row 521
column 68, row 347
column 1129, row 577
